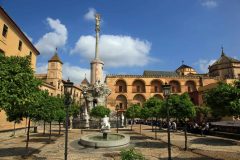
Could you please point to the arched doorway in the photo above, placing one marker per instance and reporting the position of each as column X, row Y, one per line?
column 139, row 99
column 121, row 101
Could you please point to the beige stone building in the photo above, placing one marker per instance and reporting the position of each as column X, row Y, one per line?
column 132, row 89
column 13, row 42
column 53, row 81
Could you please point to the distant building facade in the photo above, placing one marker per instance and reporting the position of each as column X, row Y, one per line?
column 136, row 89
column 53, row 81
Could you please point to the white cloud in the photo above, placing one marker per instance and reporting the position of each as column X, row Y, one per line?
column 90, row 15
column 209, row 3
column 30, row 38
column 54, row 39
column 41, row 68
column 115, row 50
column 204, row 64
column 75, row 73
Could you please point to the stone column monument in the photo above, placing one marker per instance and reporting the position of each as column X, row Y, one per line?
column 96, row 92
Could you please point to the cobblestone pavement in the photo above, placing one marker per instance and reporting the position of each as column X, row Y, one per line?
column 200, row 148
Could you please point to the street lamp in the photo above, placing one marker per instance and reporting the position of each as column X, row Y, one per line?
column 166, row 93
column 117, row 108
column 67, row 101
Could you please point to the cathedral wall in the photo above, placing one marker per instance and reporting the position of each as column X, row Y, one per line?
column 132, row 93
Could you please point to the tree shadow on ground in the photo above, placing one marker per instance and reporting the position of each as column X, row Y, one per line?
column 124, row 129
column 46, row 135
column 131, row 133
column 138, row 138
column 195, row 158
column 150, row 144
column 213, row 141
column 17, row 151
column 113, row 155
column 40, row 140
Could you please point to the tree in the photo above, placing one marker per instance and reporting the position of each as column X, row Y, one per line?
column 203, row 112
column 100, row 112
column 154, row 104
column 60, row 117
column 133, row 112
column 182, row 108
column 224, row 99
column 145, row 113
column 18, row 87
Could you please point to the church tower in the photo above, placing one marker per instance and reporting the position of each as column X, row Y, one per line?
column 54, row 73
column 97, row 64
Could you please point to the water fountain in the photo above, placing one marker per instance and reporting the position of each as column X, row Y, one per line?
column 96, row 94
column 105, row 139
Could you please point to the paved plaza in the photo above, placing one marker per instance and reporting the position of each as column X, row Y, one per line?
column 200, row 148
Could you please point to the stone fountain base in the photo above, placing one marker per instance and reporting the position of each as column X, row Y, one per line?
column 97, row 140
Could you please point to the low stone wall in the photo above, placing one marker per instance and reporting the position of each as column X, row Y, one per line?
column 6, row 134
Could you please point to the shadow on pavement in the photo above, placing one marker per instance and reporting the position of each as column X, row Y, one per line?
column 213, row 141
column 150, row 145
column 138, row 138
column 45, row 135
column 17, row 151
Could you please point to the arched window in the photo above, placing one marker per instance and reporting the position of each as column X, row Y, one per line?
column 138, row 86
column 158, row 96
column 156, row 86
column 175, row 86
column 121, row 86
column 191, row 86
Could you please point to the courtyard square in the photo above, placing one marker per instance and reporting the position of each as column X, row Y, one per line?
column 200, row 148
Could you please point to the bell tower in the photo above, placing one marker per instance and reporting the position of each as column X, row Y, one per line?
column 54, row 73
column 97, row 64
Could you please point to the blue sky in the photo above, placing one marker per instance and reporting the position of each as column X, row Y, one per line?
column 136, row 35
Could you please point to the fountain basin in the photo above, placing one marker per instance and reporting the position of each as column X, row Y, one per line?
column 97, row 140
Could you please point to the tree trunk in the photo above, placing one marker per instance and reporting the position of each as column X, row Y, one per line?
column 160, row 125
column 59, row 131
column 132, row 123
column 152, row 124
column 28, row 130
column 14, row 128
column 140, row 128
column 50, row 123
column 26, row 126
column 185, row 134
column 156, row 130
column 44, row 125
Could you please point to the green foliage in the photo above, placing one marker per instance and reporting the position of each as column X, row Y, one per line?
column 203, row 111
column 224, row 99
column 180, row 106
column 154, row 105
column 74, row 109
column 145, row 113
column 18, row 87
column 99, row 112
column 131, row 154
column 133, row 111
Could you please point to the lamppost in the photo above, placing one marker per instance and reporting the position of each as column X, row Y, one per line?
column 166, row 93
column 67, row 92
column 117, row 108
